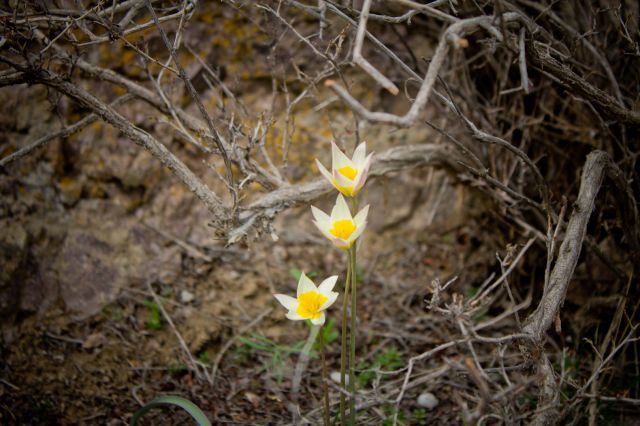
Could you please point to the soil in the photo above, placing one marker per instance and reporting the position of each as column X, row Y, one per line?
column 90, row 351
column 115, row 289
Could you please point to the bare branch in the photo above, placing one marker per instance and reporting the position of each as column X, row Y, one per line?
column 140, row 137
column 541, row 319
column 451, row 37
column 66, row 132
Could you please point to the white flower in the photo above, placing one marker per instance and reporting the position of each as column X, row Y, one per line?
column 310, row 301
column 342, row 229
column 348, row 176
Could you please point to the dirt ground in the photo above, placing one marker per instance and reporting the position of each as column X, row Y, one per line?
column 115, row 289
column 74, row 359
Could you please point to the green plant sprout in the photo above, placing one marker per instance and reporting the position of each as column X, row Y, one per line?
column 154, row 319
column 388, row 359
column 277, row 353
column 418, row 416
column 329, row 334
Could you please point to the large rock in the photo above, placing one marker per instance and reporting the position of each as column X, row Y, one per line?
column 88, row 276
column 105, row 252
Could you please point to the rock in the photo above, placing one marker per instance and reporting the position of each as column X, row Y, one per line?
column 70, row 190
column 39, row 289
column 88, row 278
column 186, row 296
column 94, row 340
column 253, row 399
column 104, row 252
column 144, row 171
column 428, row 400
column 335, row 376
column 198, row 328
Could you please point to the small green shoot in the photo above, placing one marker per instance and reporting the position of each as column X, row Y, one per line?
column 177, row 369
column 419, row 416
column 472, row 291
column 203, row 358
column 154, row 320
column 389, row 411
column 277, row 353
column 387, row 360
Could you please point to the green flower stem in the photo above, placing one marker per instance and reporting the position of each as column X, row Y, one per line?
column 325, row 388
column 343, row 345
column 352, row 355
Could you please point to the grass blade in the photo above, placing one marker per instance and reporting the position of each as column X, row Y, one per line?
column 185, row 404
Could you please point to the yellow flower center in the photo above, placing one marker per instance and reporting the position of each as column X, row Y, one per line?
column 342, row 228
column 310, row 303
column 348, row 172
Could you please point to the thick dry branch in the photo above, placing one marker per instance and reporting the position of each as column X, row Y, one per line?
column 394, row 159
column 140, row 137
column 12, row 78
column 540, row 55
column 451, row 36
column 597, row 54
column 192, row 122
column 361, row 61
column 553, row 296
column 194, row 95
column 66, row 132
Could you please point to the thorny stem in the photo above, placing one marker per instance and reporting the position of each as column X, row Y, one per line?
column 325, row 388
column 352, row 355
column 343, row 343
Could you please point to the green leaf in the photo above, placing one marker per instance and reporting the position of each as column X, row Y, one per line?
column 329, row 333
column 185, row 404
column 297, row 273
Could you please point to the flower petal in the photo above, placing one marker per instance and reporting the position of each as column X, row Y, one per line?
column 324, row 171
column 340, row 243
column 318, row 321
column 290, row 303
column 332, row 298
column 305, row 285
column 367, row 161
column 293, row 315
column 340, row 210
column 324, row 230
column 359, row 230
column 338, row 159
column 363, row 173
column 361, row 218
column 342, row 180
column 327, row 285
column 321, row 217
column 359, row 154
column 346, row 190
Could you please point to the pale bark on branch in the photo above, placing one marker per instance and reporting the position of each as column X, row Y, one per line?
column 140, row 137
column 553, row 297
column 392, row 160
